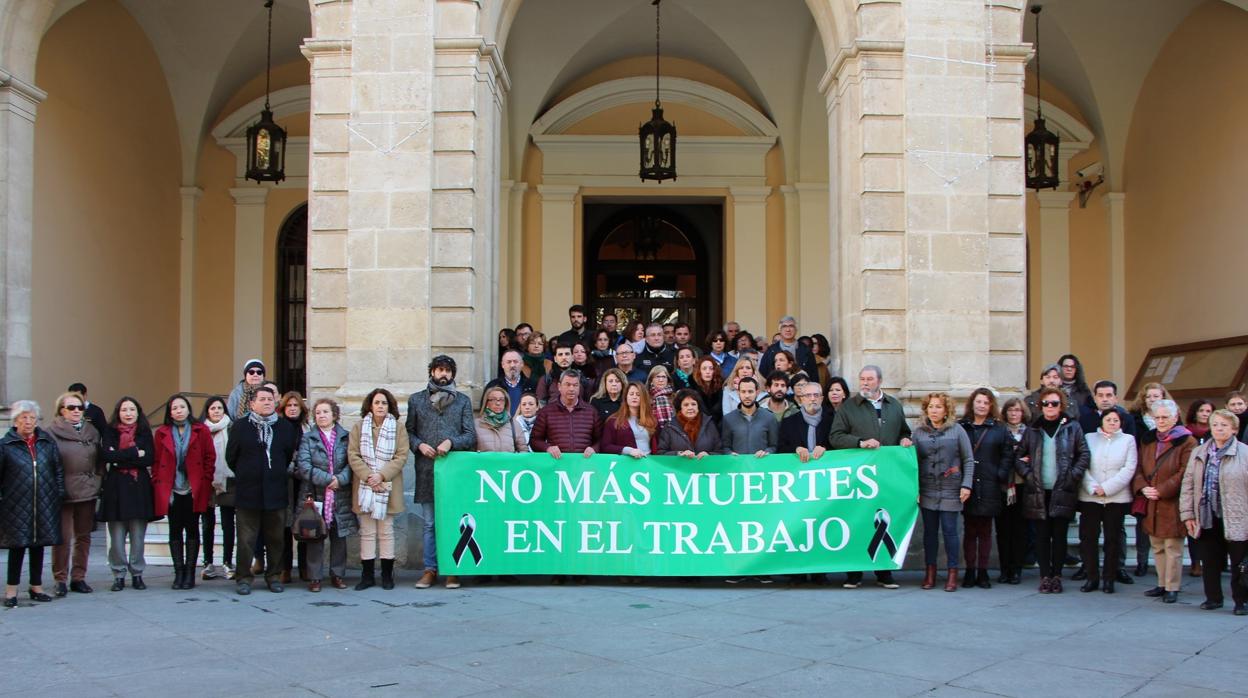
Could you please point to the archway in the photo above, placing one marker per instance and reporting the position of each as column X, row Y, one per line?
column 290, row 335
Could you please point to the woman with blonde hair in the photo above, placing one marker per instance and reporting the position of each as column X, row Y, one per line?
column 946, row 473
column 745, row 367
column 79, row 445
column 496, row 431
column 660, row 385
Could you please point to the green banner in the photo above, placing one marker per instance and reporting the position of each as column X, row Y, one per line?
column 509, row 513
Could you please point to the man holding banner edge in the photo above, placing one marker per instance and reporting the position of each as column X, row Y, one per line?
column 870, row 420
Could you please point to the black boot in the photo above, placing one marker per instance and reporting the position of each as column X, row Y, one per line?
column 983, row 582
column 188, row 569
column 969, row 579
column 387, row 574
column 366, row 576
column 178, row 553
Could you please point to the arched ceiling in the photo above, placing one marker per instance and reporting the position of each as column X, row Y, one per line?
column 209, row 49
column 1099, row 52
column 764, row 47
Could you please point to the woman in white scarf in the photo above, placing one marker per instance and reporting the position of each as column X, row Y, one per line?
column 377, row 451
column 526, row 415
column 216, row 417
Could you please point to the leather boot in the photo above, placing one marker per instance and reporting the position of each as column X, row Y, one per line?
column 951, row 582
column 387, row 574
column 969, row 579
column 178, row 554
column 983, row 582
column 929, row 577
column 188, row 568
column 366, row 577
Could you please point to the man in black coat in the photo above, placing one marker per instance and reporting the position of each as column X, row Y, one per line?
column 260, row 449
column 806, row 360
column 578, row 317
column 653, row 351
column 513, row 381
column 795, row 429
column 92, row 412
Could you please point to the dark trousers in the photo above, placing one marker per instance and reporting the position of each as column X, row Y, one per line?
column 36, row 566
column 1214, row 548
column 227, row 534
column 316, row 555
column 183, row 531
column 77, row 522
column 1093, row 518
column 1142, row 544
column 977, row 541
column 934, row 524
column 252, row 522
column 1011, row 537
column 1051, row 541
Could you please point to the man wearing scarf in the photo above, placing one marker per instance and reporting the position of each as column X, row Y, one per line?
column 439, row 420
column 261, row 448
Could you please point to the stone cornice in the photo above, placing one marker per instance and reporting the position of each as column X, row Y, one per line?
column 487, row 50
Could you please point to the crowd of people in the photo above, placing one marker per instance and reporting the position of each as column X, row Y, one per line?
column 264, row 460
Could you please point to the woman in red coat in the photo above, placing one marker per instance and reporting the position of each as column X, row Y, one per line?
column 185, row 460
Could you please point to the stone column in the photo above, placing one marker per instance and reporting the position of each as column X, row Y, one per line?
column 812, row 257
column 1115, row 204
column 749, row 265
column 248, row 273
column 792, row 238
column 1055, row 274
column 558, row 229
column 514, row 216
column 186, row 286
column 18, row 103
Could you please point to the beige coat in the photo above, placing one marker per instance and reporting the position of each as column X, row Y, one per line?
column 391, row 472
column 1232, row 483
column 505, row 439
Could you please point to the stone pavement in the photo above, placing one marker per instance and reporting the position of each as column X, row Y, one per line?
column 602, row 640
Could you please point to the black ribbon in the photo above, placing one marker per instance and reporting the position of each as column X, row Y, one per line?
column 467, row 526
column 882, row 535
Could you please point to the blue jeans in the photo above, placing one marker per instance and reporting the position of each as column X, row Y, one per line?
column 935, row 522
column 431, row 543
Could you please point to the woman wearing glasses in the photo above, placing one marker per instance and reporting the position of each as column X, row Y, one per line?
column 1159, row 478
column 79, row 445
column 1052, row 462
column 240, row 397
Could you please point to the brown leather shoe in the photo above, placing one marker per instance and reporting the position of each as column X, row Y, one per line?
column 286, row 577
column 314, row 585
column 951, row 583
column 1196, row 570
column 452, row 582
column 427, row 579
column 336, row 582
column 929, row 577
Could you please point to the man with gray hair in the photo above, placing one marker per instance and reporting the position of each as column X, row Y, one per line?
column 788, row 342
column 870, row 419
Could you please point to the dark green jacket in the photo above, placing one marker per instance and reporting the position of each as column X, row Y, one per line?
column 856, row 421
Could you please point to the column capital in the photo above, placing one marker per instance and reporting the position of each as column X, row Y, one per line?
column 558, row 192
column 1055, row 199
column 19, row 97
column 749, row 195
column 485, row 51
column 316, row 48
column 191, row 193
column 249, row 196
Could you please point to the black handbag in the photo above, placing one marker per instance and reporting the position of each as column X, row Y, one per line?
column 309, row 525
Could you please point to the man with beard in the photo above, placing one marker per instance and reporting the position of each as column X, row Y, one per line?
column 744, row 430
column 805, row 432
column 513, row 381
column 577, row 316
column 870, row 419
column 260, row 449
column 682, row 334
column 439, row 420
column 610, row 323
column 548, row 385
column 777, row 402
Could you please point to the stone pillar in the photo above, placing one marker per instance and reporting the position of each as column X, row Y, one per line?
column 18, row 103
column 749, row 265
column 793, row 273
column 558, row 230
column 248, row 273
column 1115, row 204
column 1055, row 274
column 812, row 255
column 186, row 286
column 514, row 215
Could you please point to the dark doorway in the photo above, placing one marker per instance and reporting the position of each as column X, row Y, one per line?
column 656, row 263
column 290, row 342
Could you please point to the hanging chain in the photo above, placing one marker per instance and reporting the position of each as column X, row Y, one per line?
column 657, row 103
column 268, row 55
column 1036, row 11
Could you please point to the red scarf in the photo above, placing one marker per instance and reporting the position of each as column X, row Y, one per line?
column 125, row 439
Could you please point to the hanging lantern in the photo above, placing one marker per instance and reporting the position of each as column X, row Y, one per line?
column 1041, row 145
column 657, row 136
column 266, row 141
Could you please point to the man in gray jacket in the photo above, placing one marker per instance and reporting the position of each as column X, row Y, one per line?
column 439, row 420
column 744, row 429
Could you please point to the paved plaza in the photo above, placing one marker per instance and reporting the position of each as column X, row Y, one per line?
column 608, row 639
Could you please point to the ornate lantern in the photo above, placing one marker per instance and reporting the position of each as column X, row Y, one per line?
column 1041, row 145
column 657, row 136
column 266, row 141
